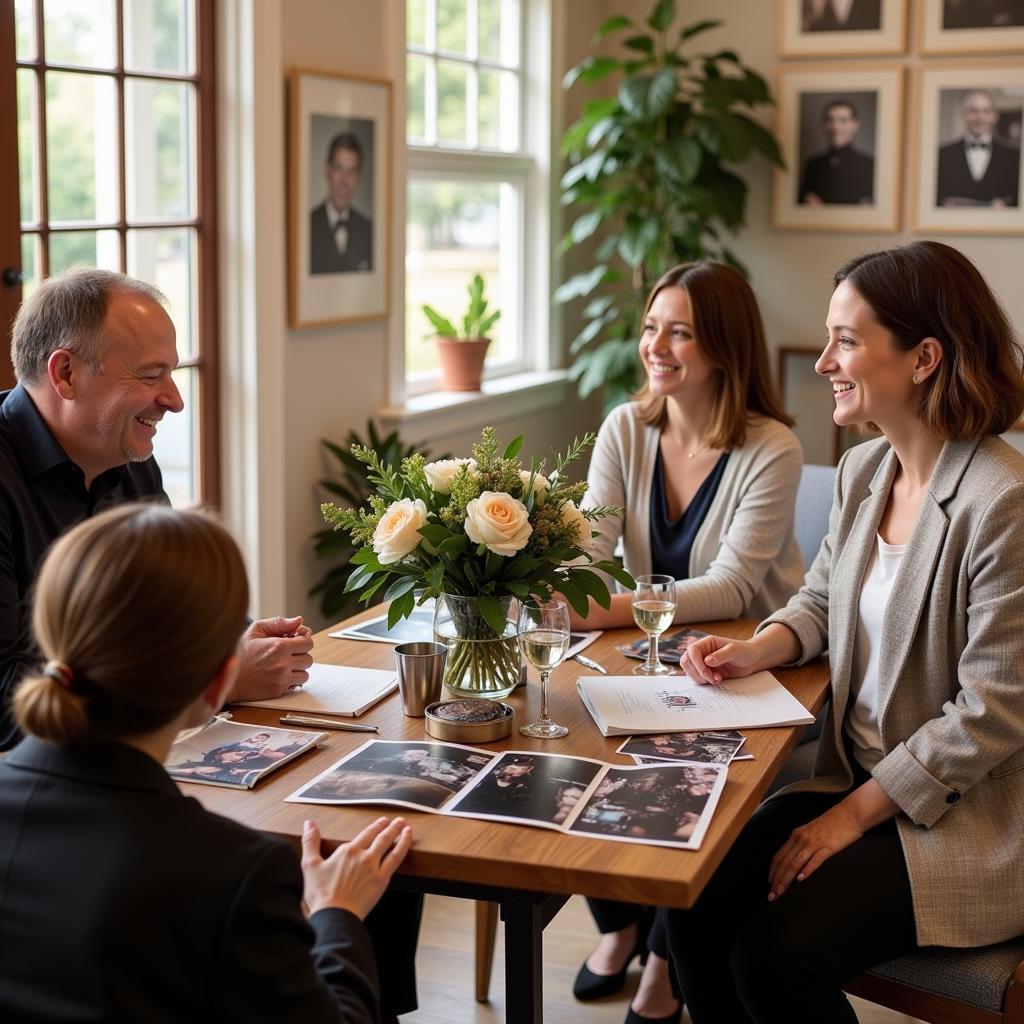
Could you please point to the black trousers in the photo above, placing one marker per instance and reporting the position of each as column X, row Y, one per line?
column 613, row 916
column 742, row 959
column 394, row 927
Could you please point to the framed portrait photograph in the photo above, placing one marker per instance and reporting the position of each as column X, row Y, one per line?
column 968, row 121
column 972, row 26
column 837, row 28
column 840, row 130
column 338, row 203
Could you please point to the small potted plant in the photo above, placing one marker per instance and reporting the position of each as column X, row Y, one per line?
column 461, row 354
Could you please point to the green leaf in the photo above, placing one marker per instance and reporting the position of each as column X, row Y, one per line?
column 633, row 95
column 581, row 284
column 401, row 608
column 440, row 324
column 679, row 160
column 592, row 584
column 598, row 306
column 401, row 586
column 455, row 545
column 617, row 573
column 590, row 70
column 662, row 16
column 697, row 28
column 576, row 597
column 585, row 226
column 645, row 44
column 514, row 447
column 640, row 235
column 435, row 533
column 492, row 613
column 612, row 24
column 662, row 90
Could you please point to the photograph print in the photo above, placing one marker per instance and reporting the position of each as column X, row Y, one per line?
column 969, row 123
column 829, row 28
column 972, row 26
column 339, row 169
column 839, row 130
column 701, row 747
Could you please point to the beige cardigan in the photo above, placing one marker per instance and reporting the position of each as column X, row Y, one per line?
column 745, row 560
column 950, row 693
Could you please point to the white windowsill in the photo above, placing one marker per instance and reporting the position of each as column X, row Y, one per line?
column 445, row 412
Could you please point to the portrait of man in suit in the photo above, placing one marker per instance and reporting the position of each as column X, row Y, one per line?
column 979, row 168
column 340, row 236
column 840, row 15
column 842, row 174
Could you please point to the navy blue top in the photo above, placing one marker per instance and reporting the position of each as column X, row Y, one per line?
column 42, row 495
column 671, row 541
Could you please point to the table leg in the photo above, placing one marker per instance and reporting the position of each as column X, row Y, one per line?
column 526, row 915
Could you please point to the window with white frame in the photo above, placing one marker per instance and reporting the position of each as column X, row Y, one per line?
column 477, row 173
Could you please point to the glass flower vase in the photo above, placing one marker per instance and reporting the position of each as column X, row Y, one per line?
column 481, row 662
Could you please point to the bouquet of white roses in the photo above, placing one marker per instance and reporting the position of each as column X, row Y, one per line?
column 484, row 527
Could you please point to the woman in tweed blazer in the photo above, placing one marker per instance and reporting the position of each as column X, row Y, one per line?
column 705, row 470
column 917, row 793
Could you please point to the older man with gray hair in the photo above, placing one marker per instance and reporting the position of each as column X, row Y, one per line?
column 93, row 352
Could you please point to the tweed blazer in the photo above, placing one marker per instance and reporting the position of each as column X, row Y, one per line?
column 951, row 678
column 745, row 560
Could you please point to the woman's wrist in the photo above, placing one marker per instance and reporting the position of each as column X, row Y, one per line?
column 776, row 645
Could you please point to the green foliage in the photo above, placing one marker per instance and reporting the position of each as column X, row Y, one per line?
column 353, row 486
column 649, row 169
column 476, row 322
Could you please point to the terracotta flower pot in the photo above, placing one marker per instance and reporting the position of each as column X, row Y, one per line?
column 462, row 362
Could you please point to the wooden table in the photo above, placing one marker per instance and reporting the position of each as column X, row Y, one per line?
column 529, row 872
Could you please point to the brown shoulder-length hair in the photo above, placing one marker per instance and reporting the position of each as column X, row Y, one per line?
column 728, row 330
column 930, row 290
column 143, row 604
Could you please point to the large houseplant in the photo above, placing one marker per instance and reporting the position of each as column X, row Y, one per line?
column 651, row 168
column 475, row 534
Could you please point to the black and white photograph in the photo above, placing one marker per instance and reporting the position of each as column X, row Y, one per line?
column 539, row 789
column 662, row 805
column 970, row 128
column 670, row 647
column 972, row 26
column 839, row 136
column 425, row 776
column 819, row 28
column 338, row 202
column 697, row 747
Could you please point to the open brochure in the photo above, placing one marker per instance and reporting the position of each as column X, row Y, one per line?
column 335, row 690
column 224, row 753
column 626, row 705
column 668, row 804
column 670, row 646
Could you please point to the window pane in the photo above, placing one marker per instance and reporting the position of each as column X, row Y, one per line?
column 159, row 149
column 498, row 26
column 159, row 35
column 416, row 99
column 28, row 133
column 30, row 264
column 95, row 248
column 416, row 22
column 451, row 26
column 166, row 258
column 452, row 79
column 81, row 147
column 80, row 32
column 498, row 110
column 456, row 229
column 25, row 46
column 175, row 443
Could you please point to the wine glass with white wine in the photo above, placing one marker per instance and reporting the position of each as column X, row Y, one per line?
column 654, row 608
column 544, row 640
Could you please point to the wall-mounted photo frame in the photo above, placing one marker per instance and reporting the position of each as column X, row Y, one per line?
column 840, row 126
column 840, row 28
column 968, row 120
column 971, row 26
column 339, row 164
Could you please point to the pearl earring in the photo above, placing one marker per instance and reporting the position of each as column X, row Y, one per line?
column 917, row 380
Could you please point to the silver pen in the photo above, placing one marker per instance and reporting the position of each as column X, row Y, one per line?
column 587, row 663
column 327, row 723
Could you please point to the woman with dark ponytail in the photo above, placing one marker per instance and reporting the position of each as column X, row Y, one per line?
column 122, row 899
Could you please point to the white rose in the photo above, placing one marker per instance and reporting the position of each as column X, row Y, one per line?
column 397, row 531
column 540, row 485
column 441, row 474
column 499, row 521
column 572, row 516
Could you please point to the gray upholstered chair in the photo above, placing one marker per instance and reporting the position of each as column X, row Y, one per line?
column 813, row 505
column 951, row 986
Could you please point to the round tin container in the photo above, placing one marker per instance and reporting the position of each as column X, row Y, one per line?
column 469, row 720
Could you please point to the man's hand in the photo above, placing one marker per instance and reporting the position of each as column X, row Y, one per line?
column 274, row 656
column 356, row 874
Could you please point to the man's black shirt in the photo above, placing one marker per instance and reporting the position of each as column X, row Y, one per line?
column 42, row 495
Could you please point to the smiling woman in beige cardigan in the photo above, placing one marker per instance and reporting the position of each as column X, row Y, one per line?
column 909, row 832
column 705, row 469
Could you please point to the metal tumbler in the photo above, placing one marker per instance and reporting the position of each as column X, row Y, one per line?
column 420, row 674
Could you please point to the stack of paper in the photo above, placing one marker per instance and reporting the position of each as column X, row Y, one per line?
column 335, row 690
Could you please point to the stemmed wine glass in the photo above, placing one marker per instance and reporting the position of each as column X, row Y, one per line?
column 654, row 608
column 544, row 640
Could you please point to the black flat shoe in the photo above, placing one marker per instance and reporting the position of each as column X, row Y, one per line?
column 632, row 1017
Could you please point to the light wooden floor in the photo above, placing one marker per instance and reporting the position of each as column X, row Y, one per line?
column 445, row 969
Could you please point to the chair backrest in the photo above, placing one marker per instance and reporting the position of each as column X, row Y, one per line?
column 813, row 505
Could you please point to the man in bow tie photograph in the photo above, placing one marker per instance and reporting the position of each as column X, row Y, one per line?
column 843, row 173
column 979, row 168
column 340, row 237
